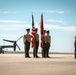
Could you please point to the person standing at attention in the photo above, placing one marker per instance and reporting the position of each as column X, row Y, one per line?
column 35, row 51
column 43, row 39
column 27, row 39
column 48, row 43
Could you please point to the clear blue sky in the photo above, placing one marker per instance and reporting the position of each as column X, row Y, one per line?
column 59, row 18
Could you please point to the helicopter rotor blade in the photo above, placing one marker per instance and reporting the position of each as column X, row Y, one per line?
column 18, row 47
column 8, row 40
column 19, row 38
column 14, row 48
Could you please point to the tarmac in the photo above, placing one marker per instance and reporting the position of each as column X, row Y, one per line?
column 17, row 64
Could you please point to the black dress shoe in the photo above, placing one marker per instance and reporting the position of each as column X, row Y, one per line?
column 37, row 56
column 48, row 56
column 28, row 57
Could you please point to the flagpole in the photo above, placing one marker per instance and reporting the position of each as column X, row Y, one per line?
column 41, row 28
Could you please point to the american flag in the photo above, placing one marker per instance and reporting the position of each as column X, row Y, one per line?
column 33, row 32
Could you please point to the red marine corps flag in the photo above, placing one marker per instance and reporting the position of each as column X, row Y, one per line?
column 33, row 32
column 41, row 28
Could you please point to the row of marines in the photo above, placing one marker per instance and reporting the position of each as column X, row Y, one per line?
column 45, row 39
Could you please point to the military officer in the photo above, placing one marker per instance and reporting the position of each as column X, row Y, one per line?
column 35, row 51
column 48, row 41
column 75, row 44
column 43, row 38
column 26, row 39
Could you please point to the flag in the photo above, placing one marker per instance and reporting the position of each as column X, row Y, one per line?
column 33, row 32
column 41, row 28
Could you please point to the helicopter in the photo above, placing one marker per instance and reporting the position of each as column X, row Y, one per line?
column 10, row 46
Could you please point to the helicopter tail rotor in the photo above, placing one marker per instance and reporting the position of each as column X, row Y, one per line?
column 15, row 43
